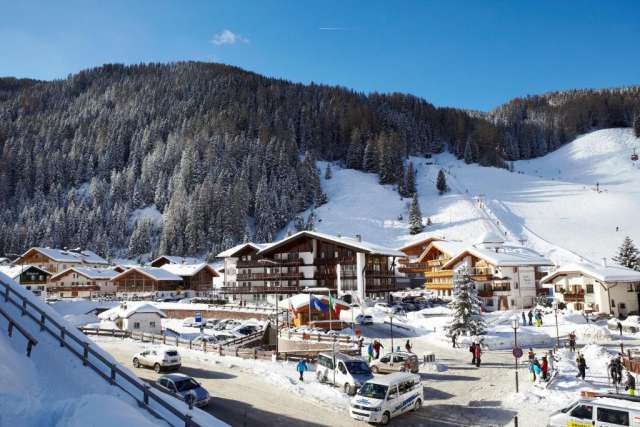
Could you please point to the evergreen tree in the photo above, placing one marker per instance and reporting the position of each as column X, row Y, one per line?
column 407, row 187
column 415, row 216
column 441, row 183
column 327, row 172
column 311, row 222
column 467, row 318
column 370, row 160
column 628, row 255
column 141, row 238
column 468, row 153
column 636, row 125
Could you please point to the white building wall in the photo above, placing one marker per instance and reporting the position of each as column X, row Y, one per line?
column 148, row 322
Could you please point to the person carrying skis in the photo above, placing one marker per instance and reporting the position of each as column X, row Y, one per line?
column 477, row 352
column 630, row 385
column 572, row 341
column 377, row 345
column 545, row 368
column 582, row 366
column 301, row 367
column 530, row 316
column 407, row 346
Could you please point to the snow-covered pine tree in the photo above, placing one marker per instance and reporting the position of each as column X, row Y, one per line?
column 415, row 216
column 628, row 255
column 311, row 222
column 468, row 152
column 467, row 319
column 370, row 157
column 407, row 187
column 327, row 172
column 441, row 183
column 636, row 125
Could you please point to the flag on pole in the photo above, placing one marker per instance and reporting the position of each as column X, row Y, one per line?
column 318, row 305
column 334, row 307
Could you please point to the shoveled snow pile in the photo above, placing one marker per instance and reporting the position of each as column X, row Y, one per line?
column 54, row 389
column 592, row 334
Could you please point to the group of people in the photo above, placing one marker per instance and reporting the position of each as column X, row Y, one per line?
column 615, row 372
column 534, row 318
column 540, row 370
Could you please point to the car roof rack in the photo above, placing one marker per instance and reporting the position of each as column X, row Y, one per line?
column 592, row 394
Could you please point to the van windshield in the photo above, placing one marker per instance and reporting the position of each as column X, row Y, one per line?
column 374, row 391
column 358, row 368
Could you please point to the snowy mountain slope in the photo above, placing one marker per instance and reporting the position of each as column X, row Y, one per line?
column 358, row 204
column 550, row 203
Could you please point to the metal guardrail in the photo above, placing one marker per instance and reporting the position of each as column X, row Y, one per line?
column 69, row 340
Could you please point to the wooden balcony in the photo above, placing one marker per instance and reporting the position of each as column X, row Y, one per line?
column 440, row 286
column 439, row 273
column 250, row 264
column 569, row 297
column 436, row 262
column 485, row 293
column 378, row 273
column 413, row 267
column 248, row 277
column 380, row 288
column 236, row 290
column 334, row 261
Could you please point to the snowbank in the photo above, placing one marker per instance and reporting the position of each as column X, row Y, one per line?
column 592, row 334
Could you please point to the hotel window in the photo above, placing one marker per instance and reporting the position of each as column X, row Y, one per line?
column 136, row 325
column 589, row 289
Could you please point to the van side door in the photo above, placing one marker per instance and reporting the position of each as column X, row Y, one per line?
column 581, row 415
column 608, row 417
column 342, row 375
column 394, row 400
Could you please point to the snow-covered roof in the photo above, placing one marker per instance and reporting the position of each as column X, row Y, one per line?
column 354, row 243
column 608, row 274
column 232, row 251
column 14, row 271
column 187, row 269
column 301, row 300
column 444, row 246
column 127, row 309
column 506, row 256
column 420, row 242
column 489, row 236
column 77, row 256
column 89, row 273
column 155, row 273
column 177, row 259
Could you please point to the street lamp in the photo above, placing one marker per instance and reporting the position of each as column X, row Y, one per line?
column 515, row 324
column 555, row 309
column 391, row 329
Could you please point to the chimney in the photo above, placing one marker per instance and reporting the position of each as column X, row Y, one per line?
column 359, row 237
column 289, row 233
column 604, row 262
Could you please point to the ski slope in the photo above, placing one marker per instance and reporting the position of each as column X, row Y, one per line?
column 549, row 204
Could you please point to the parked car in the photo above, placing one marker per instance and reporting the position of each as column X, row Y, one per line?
column 346, row 372
column 211, row 323
column 209, row 339
column 383, row 306
column 190, row 321
column 364, row 319
column 246, row 330
column 224, row 336
column 381, row 398
column 598, row 410
column 396, row 362
column 227, row 324
column 158, row 359
column 186, row 387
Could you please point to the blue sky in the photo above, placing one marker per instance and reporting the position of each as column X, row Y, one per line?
column 468, row 54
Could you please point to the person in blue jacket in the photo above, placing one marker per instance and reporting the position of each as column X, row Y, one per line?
column 301, row 367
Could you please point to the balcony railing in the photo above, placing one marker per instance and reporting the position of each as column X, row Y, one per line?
column 439, row 273
column 485, row 293
column 570, row 297
column 247, row 277
column 436, row 262
column 334, row 261
column 440, row 286
column 260, row 289
column 379, row 273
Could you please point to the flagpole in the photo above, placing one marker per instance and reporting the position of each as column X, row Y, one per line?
column 309, row 322
column 330, row 324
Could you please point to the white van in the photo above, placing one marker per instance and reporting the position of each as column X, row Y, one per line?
column 600, row 410
column 382, row 398
column 344, row 371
